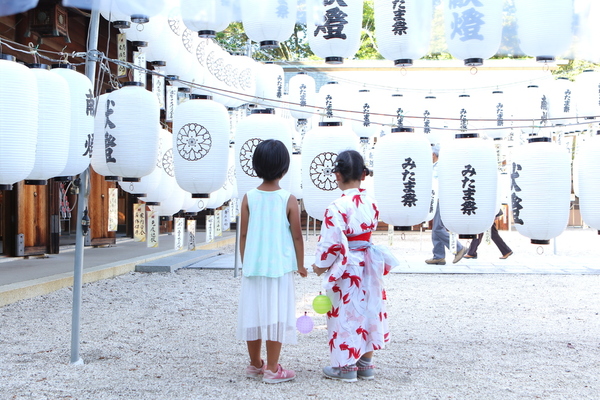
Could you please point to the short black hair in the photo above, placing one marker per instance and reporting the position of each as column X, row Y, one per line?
column 350, row 164
column 271, row 159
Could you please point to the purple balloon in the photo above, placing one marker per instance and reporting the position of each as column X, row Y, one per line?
column 304, row 324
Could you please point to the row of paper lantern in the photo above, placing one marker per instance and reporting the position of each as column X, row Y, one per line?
column 403, row 29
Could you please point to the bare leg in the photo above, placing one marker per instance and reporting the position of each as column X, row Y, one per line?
column 368, row 354
column 273, row 352
column 254, row 347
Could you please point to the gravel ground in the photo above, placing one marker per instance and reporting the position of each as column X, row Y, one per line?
column 172, row 336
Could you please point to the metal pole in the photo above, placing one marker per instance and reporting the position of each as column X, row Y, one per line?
column 90, row 72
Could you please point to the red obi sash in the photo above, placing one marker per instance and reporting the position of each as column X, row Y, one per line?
column 363, row 237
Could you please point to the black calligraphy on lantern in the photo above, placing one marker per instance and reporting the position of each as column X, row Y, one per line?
column 282, row 9
column 89, row 145
column 463, row 120
column 109, row 140
column 499, row 114
column 329, row 106
column 366, row 115
column 426, row 122
column 303, row 95
column 399, row 9
column 335, row 20
column 400, row 117
column 90, row 104
column 567, row 104
column 469, row 190
column 467, row 25
column 279, row 86
column 463, row 3
column 409, row 198
column 544, row 108
column 514, row 188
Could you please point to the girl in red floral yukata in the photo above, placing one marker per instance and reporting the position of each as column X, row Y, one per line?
column 353, row 268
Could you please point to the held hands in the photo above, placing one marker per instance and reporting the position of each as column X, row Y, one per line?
column 302, row 271
column 318, row 270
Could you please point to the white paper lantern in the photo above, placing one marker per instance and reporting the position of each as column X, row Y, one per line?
column 18, row 129
column 167, row 46
column 544, row 28
column 269, row 85
column 363, row 105
column 587, row 89
column 302, row 92
column 200, row 145
column 111, row 11
column 461, row 112
column 269, row 22
column 295, row 174
column 334, row 101
column 531, row 109
column 132, row 131
column 174, row 203
column 206, row 17
column 468, row 184
column 430, row 110
column 261, row 125
column 148, row 32
column 53, row 125
column 98, row 161
column 335, row 34
column 16, row 7
column 561, row 101
column 82, row 119
column 319, row 151
column 402, row 177
column 589, row 181
column 140, row 11
column 403, row 29
column 473, row 29
column 158, row 192
column 541, row 189
column 495, row 110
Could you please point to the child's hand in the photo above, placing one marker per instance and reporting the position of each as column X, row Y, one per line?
column 318, row 270
column 302, row 271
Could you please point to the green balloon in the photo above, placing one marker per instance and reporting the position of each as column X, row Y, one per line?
column 321, row 304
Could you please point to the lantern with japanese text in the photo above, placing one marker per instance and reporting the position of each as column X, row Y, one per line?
column 206, row 17
column 403, row 29
column 473, row 29
column 334, row 101
column 531, row 109
column 335, row 34
column 540, row 189
column 132, row 113
column 468, row 184
column 319, row 151
column 589, row 181
column 269, row 85
column 495, row 110
column 362, row 105
column 302, row 92
column 261, row 125
column 544, row 28
column 269, row 22
column 200, row 145
column 587, row 89
column 402, row 183
column 18, row 129
column 98, row 161
column 429, row 111
column 461, row 111
column 53, row 125
column 83, row 105
column 561, row 104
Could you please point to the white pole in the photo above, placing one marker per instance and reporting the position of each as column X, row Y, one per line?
column 90, row 72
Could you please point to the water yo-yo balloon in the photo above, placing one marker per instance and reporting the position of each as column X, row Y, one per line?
column 304, row 324
column 321, row 304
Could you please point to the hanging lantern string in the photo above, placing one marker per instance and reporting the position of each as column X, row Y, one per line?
column 37, row 52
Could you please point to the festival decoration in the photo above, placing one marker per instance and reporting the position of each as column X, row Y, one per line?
column 305, row 324
column 206, row 17
column 269, row 22
column 589, row 180
column 321, row 304
column 587, row 89
column 302, row 92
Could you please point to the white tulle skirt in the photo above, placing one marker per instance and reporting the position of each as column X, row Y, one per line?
column 267, row 309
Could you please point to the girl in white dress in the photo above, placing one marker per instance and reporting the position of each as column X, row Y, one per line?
column 271, row 248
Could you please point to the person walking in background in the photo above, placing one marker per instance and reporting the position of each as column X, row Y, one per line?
column 502, row 246
column 271, row 248
column 354, row 270
column 439, row 234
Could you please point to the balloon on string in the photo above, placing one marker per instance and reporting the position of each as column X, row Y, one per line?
column 321, row 304
column 304, row 324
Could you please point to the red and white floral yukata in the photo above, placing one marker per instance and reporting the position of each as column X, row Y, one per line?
column 357, row 321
